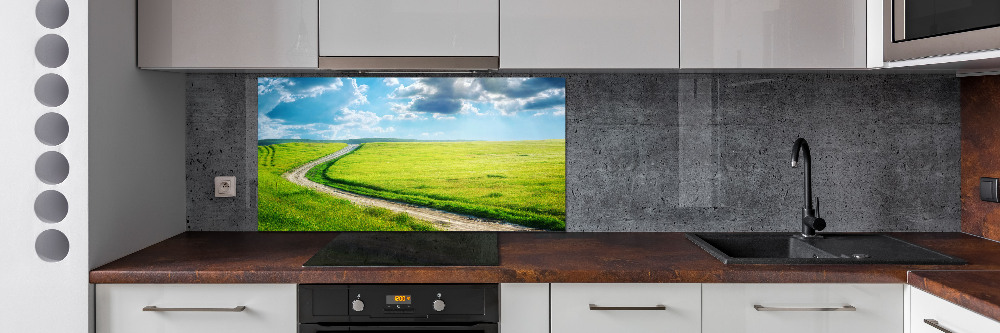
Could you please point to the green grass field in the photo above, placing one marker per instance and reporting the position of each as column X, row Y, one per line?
column 521, row 182
column 284, row 206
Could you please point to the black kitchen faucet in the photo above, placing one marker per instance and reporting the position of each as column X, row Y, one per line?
column 810, row 222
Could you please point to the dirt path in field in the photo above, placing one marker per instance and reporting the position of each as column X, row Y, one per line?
column 441, row 219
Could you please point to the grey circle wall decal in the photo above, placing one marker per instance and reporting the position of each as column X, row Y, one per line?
column 51, row 51
column 52, row 168
column 51, row 206
column 51, row 90
column 52, row 129
column 52, row 245
column 52, row 13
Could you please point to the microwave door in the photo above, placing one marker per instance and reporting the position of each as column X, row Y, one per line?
column 916, row 19
column 928, row 28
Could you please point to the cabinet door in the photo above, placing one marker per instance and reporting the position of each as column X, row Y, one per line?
column 773, row 34
column 409, row 28
column 589, row 34
column 524, row 308
column 799, row 308
column 269, row 308
column 951, row 317
column 227, row 34
column 626, row 307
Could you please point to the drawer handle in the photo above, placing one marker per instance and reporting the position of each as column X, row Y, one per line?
column 935, row 324
column 234, row 309
column 627, row 308
column 759, row 307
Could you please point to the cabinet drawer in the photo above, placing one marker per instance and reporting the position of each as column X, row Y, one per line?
column 633, row 308
column 949, row 316
column 730, row 308
column 269, row 308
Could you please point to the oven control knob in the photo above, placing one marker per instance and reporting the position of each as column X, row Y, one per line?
column 438, row 305
column 358, row 305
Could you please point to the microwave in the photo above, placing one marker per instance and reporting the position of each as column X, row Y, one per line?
column 916, row 29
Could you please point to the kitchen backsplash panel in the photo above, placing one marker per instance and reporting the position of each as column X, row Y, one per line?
column 980, row 153
column 682, row 152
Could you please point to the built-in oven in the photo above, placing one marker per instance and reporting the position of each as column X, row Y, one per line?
column 466, row 308
column 927, row 28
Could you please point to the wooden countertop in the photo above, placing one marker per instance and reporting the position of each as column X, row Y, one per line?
column 277, row 257
column 978, row 291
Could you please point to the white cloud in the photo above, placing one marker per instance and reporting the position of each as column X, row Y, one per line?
column 359, row 93
column 362, row 120
column 391, row 81
column 402, row 116
column 293, row 90
column 457, row 95
column 274, row 128
column 412, row 90
column 468, row 108
column 439, row 116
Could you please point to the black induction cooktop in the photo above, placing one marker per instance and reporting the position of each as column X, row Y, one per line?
column 409, row 248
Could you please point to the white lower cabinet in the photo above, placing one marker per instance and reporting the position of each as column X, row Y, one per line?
column 524, row 308
column 570, row 308
column 930, row 314
column 626, row 307
column 196, row 308
column 802, row 308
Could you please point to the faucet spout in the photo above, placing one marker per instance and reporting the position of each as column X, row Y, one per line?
column 803, row 146
column 810, row 222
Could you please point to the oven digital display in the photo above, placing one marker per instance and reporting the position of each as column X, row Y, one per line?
column 397, row 299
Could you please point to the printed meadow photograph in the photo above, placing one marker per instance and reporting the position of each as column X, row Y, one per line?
column 411, row 154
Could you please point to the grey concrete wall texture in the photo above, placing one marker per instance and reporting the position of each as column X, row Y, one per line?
column 683, row 152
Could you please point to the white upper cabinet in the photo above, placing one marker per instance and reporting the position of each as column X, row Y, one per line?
column 227, row 34
column 581, row 34
column 779, row 33
column 409, row 28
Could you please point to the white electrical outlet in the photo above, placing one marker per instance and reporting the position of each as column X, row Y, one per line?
column 225, row 186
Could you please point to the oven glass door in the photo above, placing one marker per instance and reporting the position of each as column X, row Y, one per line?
column 930, row 18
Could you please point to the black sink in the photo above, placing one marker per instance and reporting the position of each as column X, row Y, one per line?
column 787, row 248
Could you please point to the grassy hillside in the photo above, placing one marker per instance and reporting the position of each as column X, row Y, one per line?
column 284, row 206
column 522, row 182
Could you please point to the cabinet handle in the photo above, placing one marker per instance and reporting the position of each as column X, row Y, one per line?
column 629, row 308
column 759, row 307
column 234, row 309
column 935, row 324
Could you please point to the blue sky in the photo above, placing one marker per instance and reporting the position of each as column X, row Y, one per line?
column 337, row 108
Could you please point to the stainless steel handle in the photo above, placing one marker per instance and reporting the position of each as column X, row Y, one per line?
column 759, row 307
column 628, row 308
column 233, row 309
column 935, row 324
